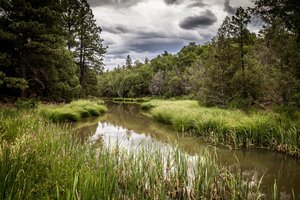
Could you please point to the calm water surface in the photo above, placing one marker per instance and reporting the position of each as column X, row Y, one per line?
column 126, row 125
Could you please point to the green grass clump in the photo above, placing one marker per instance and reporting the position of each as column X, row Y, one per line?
column 74, row 111
column 129, row 100
column 229, row 127
column 45, row 161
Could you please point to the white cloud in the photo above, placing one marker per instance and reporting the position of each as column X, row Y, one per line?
column 145, row 28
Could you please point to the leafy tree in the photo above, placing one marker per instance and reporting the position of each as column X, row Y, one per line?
column 188, row 55
column 157, row 85
column 163, row 62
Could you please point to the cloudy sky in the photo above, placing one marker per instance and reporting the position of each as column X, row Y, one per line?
column 146, row 28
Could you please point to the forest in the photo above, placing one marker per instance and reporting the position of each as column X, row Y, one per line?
column 49, row 50
column 53, row 51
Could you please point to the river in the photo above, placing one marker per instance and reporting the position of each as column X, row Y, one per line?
column 127, row 125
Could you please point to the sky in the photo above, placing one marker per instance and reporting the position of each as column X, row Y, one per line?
column 147, row 28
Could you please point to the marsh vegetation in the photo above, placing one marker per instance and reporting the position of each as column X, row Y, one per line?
column 43, row 160
column 229, row 127
column 74, row 111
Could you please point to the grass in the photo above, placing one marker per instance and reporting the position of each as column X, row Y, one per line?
column 74, row 111
column 233, row 128
column 43, row 160
column 129, row 100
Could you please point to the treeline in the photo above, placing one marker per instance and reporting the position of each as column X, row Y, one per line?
column 49, row 49
column 237, row 68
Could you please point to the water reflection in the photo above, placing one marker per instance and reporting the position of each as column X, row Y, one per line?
column 124, row 138
column 126, row 125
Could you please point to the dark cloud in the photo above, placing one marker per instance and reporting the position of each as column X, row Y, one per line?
column 117, row 29
column 157, row 46
column 115, row 3
column 163, row 35
column 206, row 19
column 168, row 2
column 231, row 10
column 198, row 3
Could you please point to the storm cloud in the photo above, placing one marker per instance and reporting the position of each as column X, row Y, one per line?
column 147, row 28
column 175, row 2
column 199, row 21
column 116, row 29
column 115, row 3
column 199, row 4
column 153, row 46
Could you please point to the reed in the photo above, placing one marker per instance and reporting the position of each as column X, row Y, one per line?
column 42, row 160
column 229, row 127
column 74, row 111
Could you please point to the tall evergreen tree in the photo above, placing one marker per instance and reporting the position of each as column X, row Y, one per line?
column 84, row 41
column 220, row 62
column 282, row 37
column 241, row 33
column 286, row 10
column 35, row 44
column 128, row 61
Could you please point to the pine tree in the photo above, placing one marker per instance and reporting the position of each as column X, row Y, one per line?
column 128, row 61
column 220, row 68
column 85, row 42
column 240, row 32
column 36, row 44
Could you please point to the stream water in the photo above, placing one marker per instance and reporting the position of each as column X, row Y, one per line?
column 127, row 125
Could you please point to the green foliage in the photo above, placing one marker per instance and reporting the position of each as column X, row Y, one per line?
column 35, row 61
column 46, row 161
column 164, row 76
column 26, row 103
column 229, row 127
column 287, row 10
column 74, row 111
column 85, row 43
column 237, row 69
column 132, row 82
column 134, row 100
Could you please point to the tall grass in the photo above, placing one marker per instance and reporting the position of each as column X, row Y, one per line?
column 229, row 127
column 41, row 160
column 74, row 111
column 129, row 100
